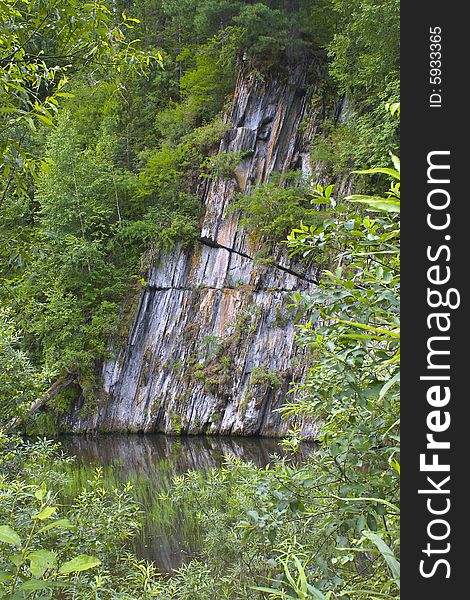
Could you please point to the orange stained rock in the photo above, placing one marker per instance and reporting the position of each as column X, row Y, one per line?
column 273, row 141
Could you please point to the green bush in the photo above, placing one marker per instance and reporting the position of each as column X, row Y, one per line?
column 260, row 376
column 265, row 32
column 205, row 85
column 20, row 381
column 364, row 139
column 222, row 164
column 338, row 150
column 273, row 209
column 56, row 551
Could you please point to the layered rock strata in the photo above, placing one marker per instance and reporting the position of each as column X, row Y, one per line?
column 211, row 348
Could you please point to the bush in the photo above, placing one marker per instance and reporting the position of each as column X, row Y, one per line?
column 222, row 164
column 20, row 380
column 62, row 552
column 273, row 209
column 204, row 86
column 260, row 376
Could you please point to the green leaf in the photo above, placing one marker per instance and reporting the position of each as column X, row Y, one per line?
column 45, row 120
column 315, row 593
column 45, row 513
column 32, row 585
column 377, row 202
column 266, row 590
column 31, row 124
column 15, row 558
column 385, row 170
column 389, row 384
column 9, row 536
column 79, row 563
column 393, row 107
column 40, row 493
column 60, row 524
column 40, row 561
column 387, row 553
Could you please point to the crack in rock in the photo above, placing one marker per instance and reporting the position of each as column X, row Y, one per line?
column 213, row 244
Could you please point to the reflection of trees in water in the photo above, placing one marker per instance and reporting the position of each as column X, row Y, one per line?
column 150, row 462
column 144, row 452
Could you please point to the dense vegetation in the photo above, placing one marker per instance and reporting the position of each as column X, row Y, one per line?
column 110, row 118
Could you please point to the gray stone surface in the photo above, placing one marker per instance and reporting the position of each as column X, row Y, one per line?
column 211, row 317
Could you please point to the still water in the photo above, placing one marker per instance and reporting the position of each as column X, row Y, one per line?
column 150, row 462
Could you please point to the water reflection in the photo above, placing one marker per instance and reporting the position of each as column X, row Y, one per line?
column 150, row 462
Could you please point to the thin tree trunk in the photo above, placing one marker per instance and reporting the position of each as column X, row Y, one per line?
column 55, row 389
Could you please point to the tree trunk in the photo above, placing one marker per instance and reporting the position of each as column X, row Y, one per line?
column 55, row 388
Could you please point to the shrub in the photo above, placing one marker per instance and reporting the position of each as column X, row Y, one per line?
column 260, row 376
column 273, row 209
column 61, row 552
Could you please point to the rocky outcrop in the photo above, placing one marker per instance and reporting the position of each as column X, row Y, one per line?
column 211, row 348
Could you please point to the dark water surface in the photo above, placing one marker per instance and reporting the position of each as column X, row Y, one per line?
column 150, row 462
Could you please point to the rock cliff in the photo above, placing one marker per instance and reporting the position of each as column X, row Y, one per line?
column 211, row 348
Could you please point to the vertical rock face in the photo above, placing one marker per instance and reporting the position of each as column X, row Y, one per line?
column 211, row 348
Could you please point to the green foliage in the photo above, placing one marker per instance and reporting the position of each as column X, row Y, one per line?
column 211, row 15
column 20, row 381
column 206, row 75
column 63, row 201
column 264, row 32
column 363, row 139
column 353, row 332
column 338, row 149
column 365, row 46
column 41, row 43
column 277, row 531
column 274, row 208
column 72, row 294
column 205, row 84
column 317, row 21
column 222, row 164
column 61, row 552
column 260, row 376
column 364, row 64
column 95, row 220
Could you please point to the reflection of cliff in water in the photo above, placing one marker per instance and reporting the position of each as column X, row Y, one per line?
column 142, row 452
column 150, row 462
